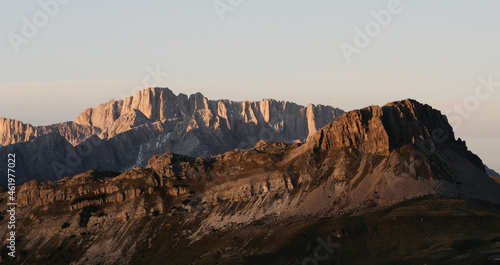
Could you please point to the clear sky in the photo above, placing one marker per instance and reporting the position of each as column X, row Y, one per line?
column 78, row 54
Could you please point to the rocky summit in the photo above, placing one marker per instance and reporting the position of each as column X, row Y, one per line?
column 124, row 134
column 379, row 185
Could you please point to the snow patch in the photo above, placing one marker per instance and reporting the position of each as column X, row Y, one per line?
column 140, row 157
column 145, row 147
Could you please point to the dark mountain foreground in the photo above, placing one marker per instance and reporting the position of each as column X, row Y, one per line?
column 380, row 185
column 420, row 231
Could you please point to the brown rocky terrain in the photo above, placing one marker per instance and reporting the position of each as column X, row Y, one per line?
column 380, row 185
column 123, row 134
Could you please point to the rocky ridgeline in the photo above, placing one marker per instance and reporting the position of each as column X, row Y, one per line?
column 393, row 140
column 14, row 131
column 174, row 173
column 380, row 130
column 295, row 122
column 365, row 160
column 107, row 120
column 167, row 171
column 124, row 134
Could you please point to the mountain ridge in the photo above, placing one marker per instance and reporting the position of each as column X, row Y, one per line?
column 338, row 140
column 358, row 164
column 157, row 104
column 119, row 135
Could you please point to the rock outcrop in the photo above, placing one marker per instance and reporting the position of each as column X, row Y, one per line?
column 123, row 134
column 381, row 130
column 14, row 131
column 177, row 205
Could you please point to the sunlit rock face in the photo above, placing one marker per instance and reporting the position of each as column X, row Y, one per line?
column 123, row 134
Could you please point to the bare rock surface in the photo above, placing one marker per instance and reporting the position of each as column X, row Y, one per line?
column 123, row 134
column 179, row 207
column 14, row 131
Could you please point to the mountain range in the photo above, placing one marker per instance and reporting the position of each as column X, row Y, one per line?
column 124, row 134
column 379, row 185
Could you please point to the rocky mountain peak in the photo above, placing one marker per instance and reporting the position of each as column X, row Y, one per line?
column 150, row 102
column 409, row 121
column 122, row 134
column 380, row 130
column 9, row 131
column 161, row 104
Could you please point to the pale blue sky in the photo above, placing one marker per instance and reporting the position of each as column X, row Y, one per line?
column 93, row 51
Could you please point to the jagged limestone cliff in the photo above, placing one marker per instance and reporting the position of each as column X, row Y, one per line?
column 123, row 134
column 293, row 121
